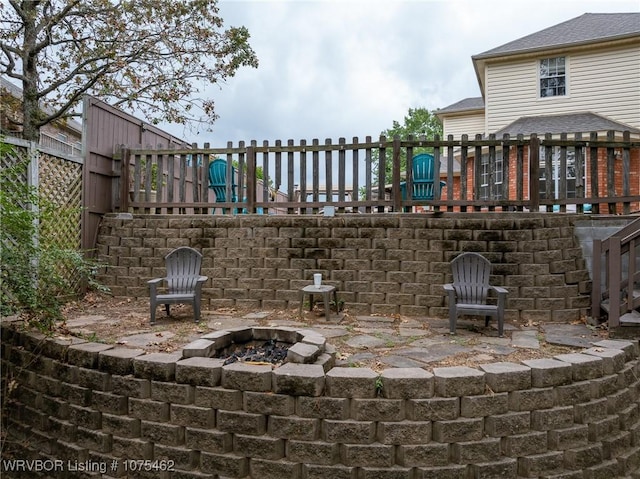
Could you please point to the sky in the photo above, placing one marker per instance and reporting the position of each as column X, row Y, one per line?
column 345, row 68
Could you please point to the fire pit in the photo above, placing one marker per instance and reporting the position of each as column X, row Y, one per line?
column 262, row 345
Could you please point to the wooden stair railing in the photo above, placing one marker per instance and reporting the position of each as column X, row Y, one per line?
column 620, row 298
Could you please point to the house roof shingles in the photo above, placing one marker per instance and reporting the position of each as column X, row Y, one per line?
column 573, row 122
column 585, row 29
column 468, row 104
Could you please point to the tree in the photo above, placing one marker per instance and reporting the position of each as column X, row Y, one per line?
column 147, row 55
column 418, row 122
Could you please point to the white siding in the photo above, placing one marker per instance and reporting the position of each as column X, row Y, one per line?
column 603, row 82
column 457, row 126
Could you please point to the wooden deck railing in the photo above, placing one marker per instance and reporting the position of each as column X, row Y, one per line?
column 616, row 276
column 597, row 173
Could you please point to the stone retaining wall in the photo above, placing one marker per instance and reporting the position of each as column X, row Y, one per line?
column 379, row 263
column 574, row 416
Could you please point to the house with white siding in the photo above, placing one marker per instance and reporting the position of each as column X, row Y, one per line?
column 579, row 76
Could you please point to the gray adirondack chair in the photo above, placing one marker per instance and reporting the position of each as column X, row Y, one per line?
column 183, row 282
column 470, row 289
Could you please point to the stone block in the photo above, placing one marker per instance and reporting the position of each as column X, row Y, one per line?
column 172, row 393
column 162, row 433
column 612, row 359
column 122, row 426
column 445, row 472
column 313, row 452
column 355, row 432
column 566, row 438
column 508, row 424
column 109, row 403
column 269, row 404
column 583, row 366
column 238, row 422
column 351, row 382
column 86, row 354
column 583, row 457
column 199, row 371
column 299, row 379
column 92, row 439
column 86, row 417
column 505, row 376
column 194, row 416
column 407, row 383
column 218, row 398
column 92, row 379
column 630, row 348
column 302, row 353
column 458, row 430
column 77, row 394
column 313, row 471
column 224, row 464
column 433, row 409
column 246, row 377
column 530, row 443
column 322, row 407
column 575, row 393
column 404, row 432
column 368, row 455
column 590, row 411
column 180, row 457
column 458, row 381
column 199, row 348
column 156, row 366
column 149, row 410
column 208, row 440
column 130, row 386
column 474, row 452
column 118, row 360
column 423, row 455
column 263, row 447
column 279, row 469
column 531, row 399
column 554, row 418
column 549, row 372
column 377, row 409
column 495, row 470
column 484, row 405
column 304, row 429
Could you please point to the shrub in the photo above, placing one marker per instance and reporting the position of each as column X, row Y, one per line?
column 38, row 271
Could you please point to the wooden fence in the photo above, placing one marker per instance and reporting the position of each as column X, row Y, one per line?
column 598, row 173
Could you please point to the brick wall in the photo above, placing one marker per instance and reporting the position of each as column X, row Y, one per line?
column 386, row 264
column 576, row 415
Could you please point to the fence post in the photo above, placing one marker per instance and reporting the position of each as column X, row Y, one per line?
column 397, row 195
column 596, row 283
column 626, row 170
column 124, row 154
column 251, row 179
column 534, row 175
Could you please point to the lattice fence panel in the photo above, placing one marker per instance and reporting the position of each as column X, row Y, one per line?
column 14, row 167
column 61, row 185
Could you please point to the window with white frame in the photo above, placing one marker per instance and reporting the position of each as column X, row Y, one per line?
column 553, row 77
column 487, row 179
column 557, row 174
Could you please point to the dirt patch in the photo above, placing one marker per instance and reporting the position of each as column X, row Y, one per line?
column 124, row 321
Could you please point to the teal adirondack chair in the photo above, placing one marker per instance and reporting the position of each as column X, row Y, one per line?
column 218, row 182
column 423, row 177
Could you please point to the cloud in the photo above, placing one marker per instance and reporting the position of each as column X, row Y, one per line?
column 331, row 69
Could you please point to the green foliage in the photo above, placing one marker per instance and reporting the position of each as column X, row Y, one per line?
column 37, row 269
column 150, row 56
column 379, row 386
column 419, row 122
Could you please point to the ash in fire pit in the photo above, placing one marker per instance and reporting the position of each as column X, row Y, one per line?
column 270, row 352
column 262, row 345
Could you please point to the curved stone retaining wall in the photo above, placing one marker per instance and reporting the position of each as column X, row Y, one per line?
column 379, row 263
column 574, row 416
